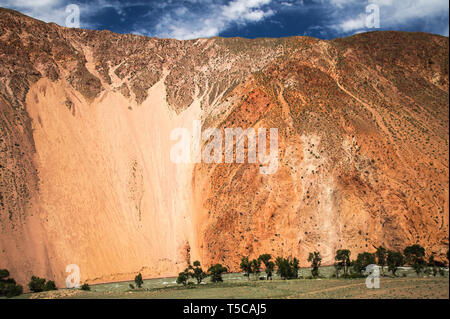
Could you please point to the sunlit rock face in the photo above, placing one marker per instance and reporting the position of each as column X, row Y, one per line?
column 86, row 175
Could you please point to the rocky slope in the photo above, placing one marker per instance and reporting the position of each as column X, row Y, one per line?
column 85, row 170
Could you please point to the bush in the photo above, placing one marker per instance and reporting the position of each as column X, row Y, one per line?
column 8, row 286
column 138, row 280
column 287, row 269
column 256, row 267
column 414, row 256
column 182, row 278
column 394, row 260
column 315, row 259
column 216, row 272
column 14, row 290
column 36, row 284
column 4, row 273
column 85, row 287
column 353, row 275
column 268, row 264
column 50, row 285
column 362, row 261
column 381, row 255
column 198, row 272
column 342, row 259
column 246, row 266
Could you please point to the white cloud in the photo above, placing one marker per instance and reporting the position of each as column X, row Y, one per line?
column 287, row 4
column 352, row 24
column 349, row 15
column 45, row 10
column 55, row 10
column 211, row 20
column 189, row 19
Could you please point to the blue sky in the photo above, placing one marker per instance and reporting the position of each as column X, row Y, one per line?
column 189, row 19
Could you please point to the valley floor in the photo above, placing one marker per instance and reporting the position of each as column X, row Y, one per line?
column 236, row 286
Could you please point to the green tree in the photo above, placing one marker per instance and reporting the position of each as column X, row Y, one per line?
column 256, row 267
column 246, row 267
column 265, row 258
column 86, row 287
column 315, row 259
column 381, row 255
column 8, row 286
column 268, row 265
column 414, row 256
column 337, row 268
column 283, row 267
column 343, row 259
column 182, row 278
column 287, row 269
column 14, row 290
column 216, row 272
column 50, row 285
column 138, row 280
column 394, row 260
column 433, row 264
column 295, row 264
column 4, row 273
column 198, row 272
column 362, row 261
column 36, row 284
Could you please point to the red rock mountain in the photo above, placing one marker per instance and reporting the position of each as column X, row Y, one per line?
column 85, row 170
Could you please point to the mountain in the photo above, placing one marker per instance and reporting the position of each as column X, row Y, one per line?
column 86, row 175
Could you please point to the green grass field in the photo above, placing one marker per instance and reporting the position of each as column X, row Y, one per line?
column 407, row 285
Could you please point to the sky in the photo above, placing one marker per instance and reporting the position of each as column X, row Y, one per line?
column 191, row 19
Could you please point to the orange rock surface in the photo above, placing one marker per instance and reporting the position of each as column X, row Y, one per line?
column 85, row 170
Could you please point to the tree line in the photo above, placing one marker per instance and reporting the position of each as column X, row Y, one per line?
column 345, row 267
column 413, row 256
column 286, row 268
column 196, row 272
column 9, row 288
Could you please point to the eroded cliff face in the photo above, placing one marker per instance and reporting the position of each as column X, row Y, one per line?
column 86, row 176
